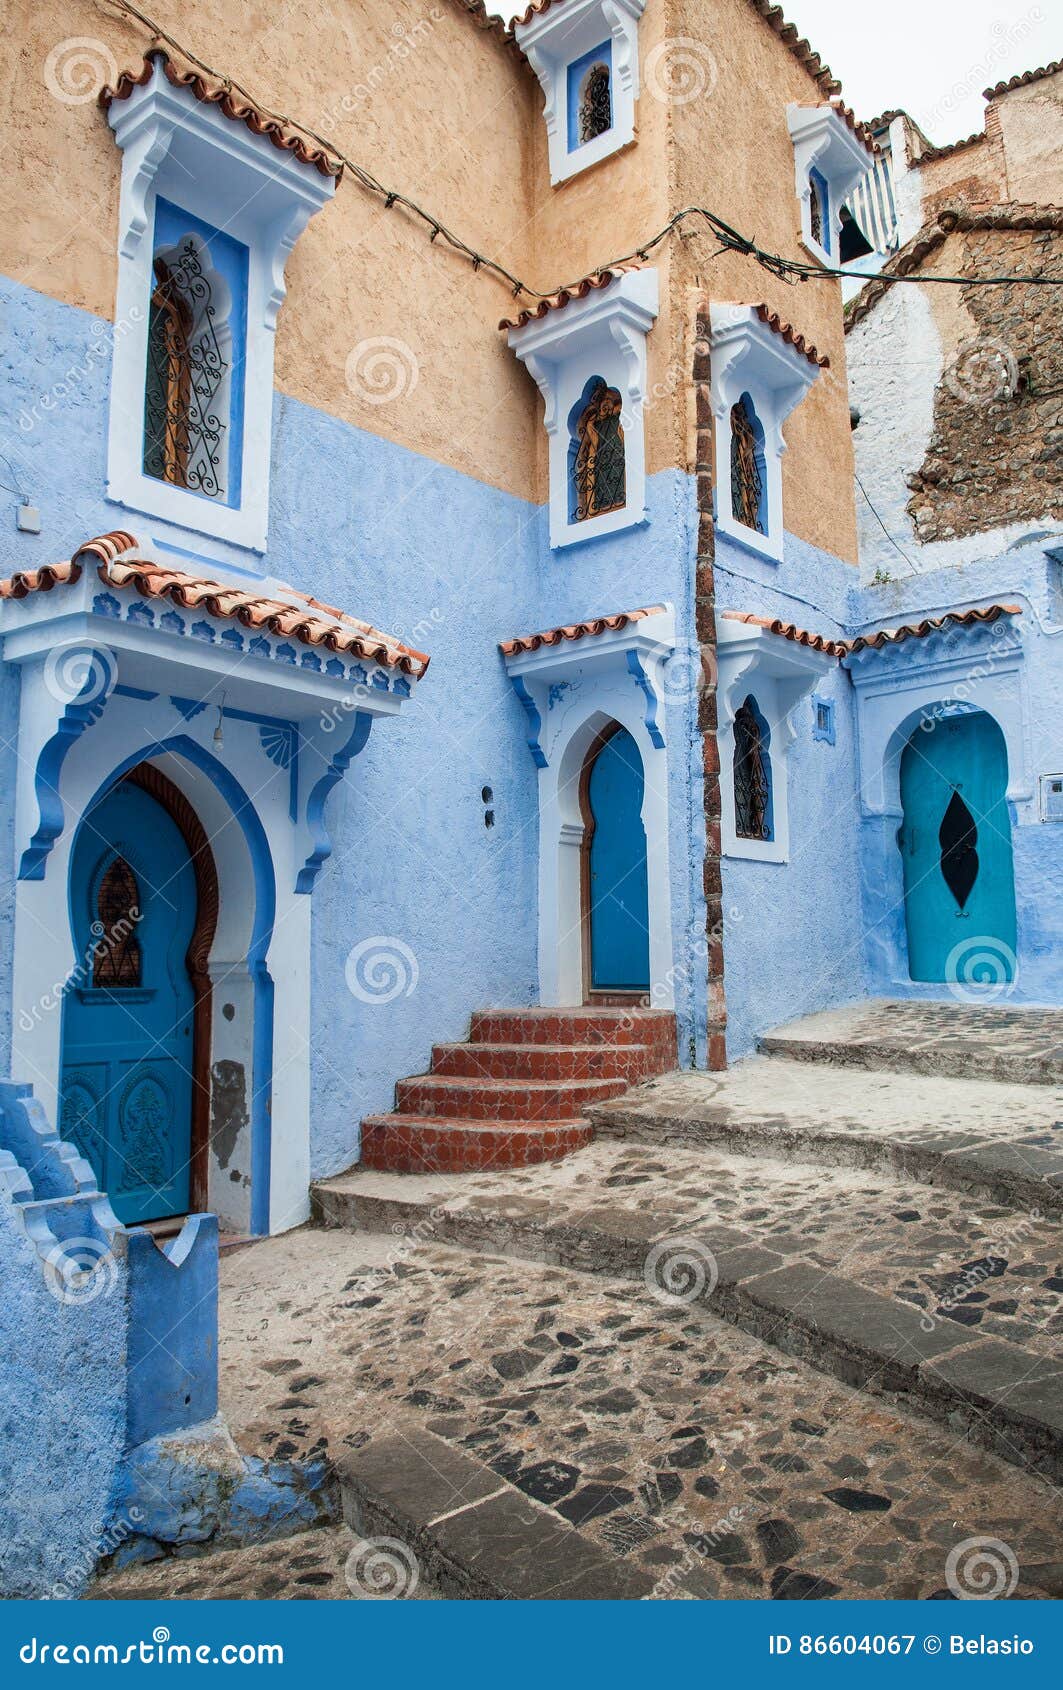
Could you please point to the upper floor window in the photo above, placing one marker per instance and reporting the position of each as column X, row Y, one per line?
column 589, row 362
column 590, row 99
column 189, row 380
column 599, row 471
column 586, row 57
column 832, row 155
column 747, row 466
column 752, row 773
column 211, row 206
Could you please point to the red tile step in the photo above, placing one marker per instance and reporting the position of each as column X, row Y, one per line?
column 515, row 1093
column 406, row 1144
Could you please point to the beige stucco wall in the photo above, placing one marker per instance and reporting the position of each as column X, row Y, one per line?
column 1031, row 123
column 456, row 123
column 733, row 153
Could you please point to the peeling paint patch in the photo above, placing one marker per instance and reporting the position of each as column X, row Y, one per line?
column 228, row 1108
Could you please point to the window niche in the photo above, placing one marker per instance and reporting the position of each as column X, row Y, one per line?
column 760, row 370
column 830, row 160
column 211, row 206
column 751, row 765
column 585, row 54
column 587, row 354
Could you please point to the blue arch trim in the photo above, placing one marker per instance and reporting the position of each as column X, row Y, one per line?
column 261, row 934
column 79, row 714
column 315, row 804
column 535, row 721
column 653, row 727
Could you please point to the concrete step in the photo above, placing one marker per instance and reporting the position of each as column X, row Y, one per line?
column 577, row 1026
column 881, row 1284
column 475, row 1536
column 500, row 1100
column 433, row 1144
column 552, row 1063
column 947, row 1040
column 998, row 1142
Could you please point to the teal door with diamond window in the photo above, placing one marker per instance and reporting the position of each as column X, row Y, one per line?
column 959, row 878
column 126, row 1083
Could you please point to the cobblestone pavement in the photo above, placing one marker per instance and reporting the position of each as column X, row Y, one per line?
column 973, row 1263
column 947, row 1030
column 804, row 1097
column 673, row 1441
column 309, row 1567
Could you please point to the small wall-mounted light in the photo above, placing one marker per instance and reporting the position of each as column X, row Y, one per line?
column 219, row 731
column 28, row 518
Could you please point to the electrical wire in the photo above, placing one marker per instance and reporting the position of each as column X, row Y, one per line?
column 730, row 240
column 894, row 543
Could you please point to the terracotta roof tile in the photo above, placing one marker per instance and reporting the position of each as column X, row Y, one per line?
column 788, row 631
column 932, row 625
column 306, row 620
column 231, row 104
column 564, row 296
column 574, row 631
column 929, row 154
column 862, row 131
column 1023, row 81
column 883, row 637
column 791, row 336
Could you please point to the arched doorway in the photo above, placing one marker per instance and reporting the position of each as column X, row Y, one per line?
column 616, row 923
column 134, row 1089
column 955, row 840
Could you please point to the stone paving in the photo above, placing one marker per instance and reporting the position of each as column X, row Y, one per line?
column 974, row 1264
column 688, row 1450
column 309, row 1567
column 1024, row 1045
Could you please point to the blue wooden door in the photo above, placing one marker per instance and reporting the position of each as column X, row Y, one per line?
column 959, row 880
column 619, row 899
column 126, row 1086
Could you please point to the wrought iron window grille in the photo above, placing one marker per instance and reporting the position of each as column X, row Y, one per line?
column 600, row 468
column 747, row 484
column 752, row 788
column 183, row 428
column 596, row 105
column 116, row 953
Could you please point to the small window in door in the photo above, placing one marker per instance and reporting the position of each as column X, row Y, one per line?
column 116, row 953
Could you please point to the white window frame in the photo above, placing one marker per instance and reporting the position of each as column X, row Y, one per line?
column 824, row 142
column 603, row 334
column 748, row 356
column 555, row 39
column 778, row 673
column 184, row 150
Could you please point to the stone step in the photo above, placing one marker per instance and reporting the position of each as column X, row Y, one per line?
column 436, row 1144
column 629, row 1063
column 500, row 1100
column 881, row 1285
column 577, row 1026
column 475, row 1536
column 998, row 1142
column 947, row 1040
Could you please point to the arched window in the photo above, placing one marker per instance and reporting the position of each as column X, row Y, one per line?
column 598, row 467
column 819, row 217
column 116, row 954
column 752, row 774
column 595, row 104
column 748, row 499
column 187, row 377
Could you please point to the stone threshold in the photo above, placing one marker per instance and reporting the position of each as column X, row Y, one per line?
column 474, row 1537
column 999, row 1394
column 1019, row 1176
column 960, row 1061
